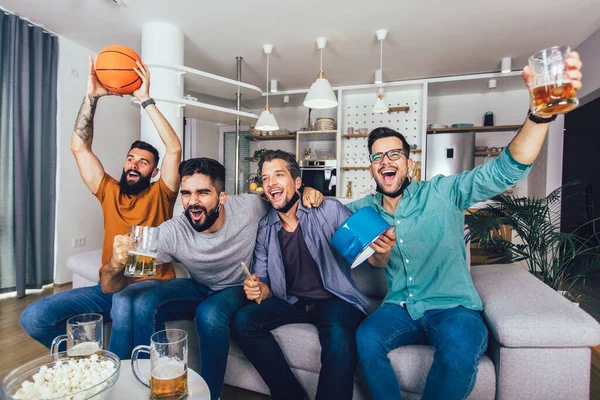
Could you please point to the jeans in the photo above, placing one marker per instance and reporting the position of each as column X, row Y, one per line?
column 336, row 321
column 185, row 298
column 46, row 319
column 458, row 335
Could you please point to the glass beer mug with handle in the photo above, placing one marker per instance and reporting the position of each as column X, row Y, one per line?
column 141, row 257
column 84, row 335
column 168, row 365
column 553, row 92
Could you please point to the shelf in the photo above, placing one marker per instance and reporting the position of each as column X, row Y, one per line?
column 355, row 168
column 255, row 138
column 415, row 150
column 498, row 128
column 487, row 153
column 356, row 135
column 252, row 159
column 208, row 112
column 211, row 84
column 316, row 132
column 398, row 109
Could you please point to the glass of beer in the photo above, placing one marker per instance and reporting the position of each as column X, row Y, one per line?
column 553, row 92
column 168, row 365
column 84, row 335
column 141, row 258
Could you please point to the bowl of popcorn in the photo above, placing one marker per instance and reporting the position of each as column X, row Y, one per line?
column 63, row 377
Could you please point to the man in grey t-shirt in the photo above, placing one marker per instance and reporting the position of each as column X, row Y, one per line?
column 211, row 239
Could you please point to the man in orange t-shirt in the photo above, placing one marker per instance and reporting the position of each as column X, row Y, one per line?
column 132, row 200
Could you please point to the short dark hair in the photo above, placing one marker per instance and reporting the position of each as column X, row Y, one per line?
column 140, row 144
column 270, row 155
column 205, row 166
column 380, row 133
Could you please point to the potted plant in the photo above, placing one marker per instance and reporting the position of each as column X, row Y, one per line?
column 559, row 259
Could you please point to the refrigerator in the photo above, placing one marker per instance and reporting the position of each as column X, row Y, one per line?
column 449, row 153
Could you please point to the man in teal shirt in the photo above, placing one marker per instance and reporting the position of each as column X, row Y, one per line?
column 431, row 298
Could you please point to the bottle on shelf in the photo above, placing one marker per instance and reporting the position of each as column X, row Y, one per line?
column 349, row 190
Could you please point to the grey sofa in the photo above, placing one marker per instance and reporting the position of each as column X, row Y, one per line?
column 539, row 345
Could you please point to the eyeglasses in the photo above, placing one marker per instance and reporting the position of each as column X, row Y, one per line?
column 393, row 155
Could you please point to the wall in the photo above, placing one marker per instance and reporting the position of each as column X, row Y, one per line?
column 117, row 125
column 589, row 51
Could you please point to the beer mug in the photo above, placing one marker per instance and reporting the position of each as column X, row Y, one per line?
column 168, row 365
column 553, row 92
column 141, row 257
column 84, row 335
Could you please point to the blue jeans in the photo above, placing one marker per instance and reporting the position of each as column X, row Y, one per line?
column 46, row 319
column 458, row 335
column 185, row 298
column 336, row 321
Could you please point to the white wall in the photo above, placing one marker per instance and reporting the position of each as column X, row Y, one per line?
column 117, row 125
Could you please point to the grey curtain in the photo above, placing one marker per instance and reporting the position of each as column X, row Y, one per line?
column 28, row 71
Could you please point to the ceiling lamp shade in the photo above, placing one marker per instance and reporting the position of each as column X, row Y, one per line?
column 380, row 104
column 320, row 94
column 266, row 120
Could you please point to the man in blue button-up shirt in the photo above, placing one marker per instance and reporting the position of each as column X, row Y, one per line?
column 299, row 278
column 431, row 298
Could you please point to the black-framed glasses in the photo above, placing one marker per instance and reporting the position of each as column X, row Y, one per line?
column 393, row 155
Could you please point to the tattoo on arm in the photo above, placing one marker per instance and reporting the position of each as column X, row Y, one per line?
column 84, row 124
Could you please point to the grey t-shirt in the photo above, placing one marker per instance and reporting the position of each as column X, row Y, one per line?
column 214, row 259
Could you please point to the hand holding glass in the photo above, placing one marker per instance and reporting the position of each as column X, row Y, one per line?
column 141, row 259
column 553, row 92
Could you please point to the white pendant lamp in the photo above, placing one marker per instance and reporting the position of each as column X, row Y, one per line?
column 320, row 94
column 266, row 121
column 380, row 104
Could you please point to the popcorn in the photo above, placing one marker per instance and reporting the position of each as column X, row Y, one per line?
column 67, row 378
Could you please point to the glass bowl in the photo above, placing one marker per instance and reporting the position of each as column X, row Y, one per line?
column 325, row 154
column 13, row 381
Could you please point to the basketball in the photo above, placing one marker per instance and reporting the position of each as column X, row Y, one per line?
column 114, row 69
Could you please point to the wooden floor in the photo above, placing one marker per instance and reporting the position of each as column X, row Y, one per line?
column 16, row 348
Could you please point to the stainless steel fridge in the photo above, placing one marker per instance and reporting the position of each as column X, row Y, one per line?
column 449, row 153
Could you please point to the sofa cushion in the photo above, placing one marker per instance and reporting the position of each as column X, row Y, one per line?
column 370, row 280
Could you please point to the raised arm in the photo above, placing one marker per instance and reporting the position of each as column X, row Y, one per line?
column 89, row 165
column 526, row 146
column 170, row 164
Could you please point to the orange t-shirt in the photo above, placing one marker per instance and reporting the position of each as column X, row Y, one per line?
column 152, row 207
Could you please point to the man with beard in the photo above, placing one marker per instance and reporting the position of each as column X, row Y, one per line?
column 214, row 236
column 131, row 201
column 431, row 298
column 309, row 282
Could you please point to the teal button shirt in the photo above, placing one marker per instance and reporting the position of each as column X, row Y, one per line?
column 428, row 268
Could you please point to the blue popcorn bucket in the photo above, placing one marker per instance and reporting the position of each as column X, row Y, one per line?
column 354, row 237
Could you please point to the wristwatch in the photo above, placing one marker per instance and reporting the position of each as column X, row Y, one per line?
column 539, row 120
column 148, row 102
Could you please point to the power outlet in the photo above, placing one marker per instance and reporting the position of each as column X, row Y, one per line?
column 79, row 242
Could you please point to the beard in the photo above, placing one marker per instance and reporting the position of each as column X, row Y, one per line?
column 136, row 188
column 289, row 204
column 210, row 217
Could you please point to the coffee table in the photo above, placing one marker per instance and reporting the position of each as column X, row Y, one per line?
column 129, row 388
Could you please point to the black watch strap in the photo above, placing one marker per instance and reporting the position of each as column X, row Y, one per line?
column 148, row 102
column 539, row 120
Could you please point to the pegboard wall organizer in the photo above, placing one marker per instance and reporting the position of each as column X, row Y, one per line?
column 355, row 112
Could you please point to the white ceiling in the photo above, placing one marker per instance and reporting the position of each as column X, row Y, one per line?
column 427, row 38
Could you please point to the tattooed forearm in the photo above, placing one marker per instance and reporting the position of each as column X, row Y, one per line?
column 84, row 124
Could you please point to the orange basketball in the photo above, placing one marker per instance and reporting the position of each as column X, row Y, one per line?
column 114, row 69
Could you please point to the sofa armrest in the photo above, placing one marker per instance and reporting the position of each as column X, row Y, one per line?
column 522, row 311
column 86, row 264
